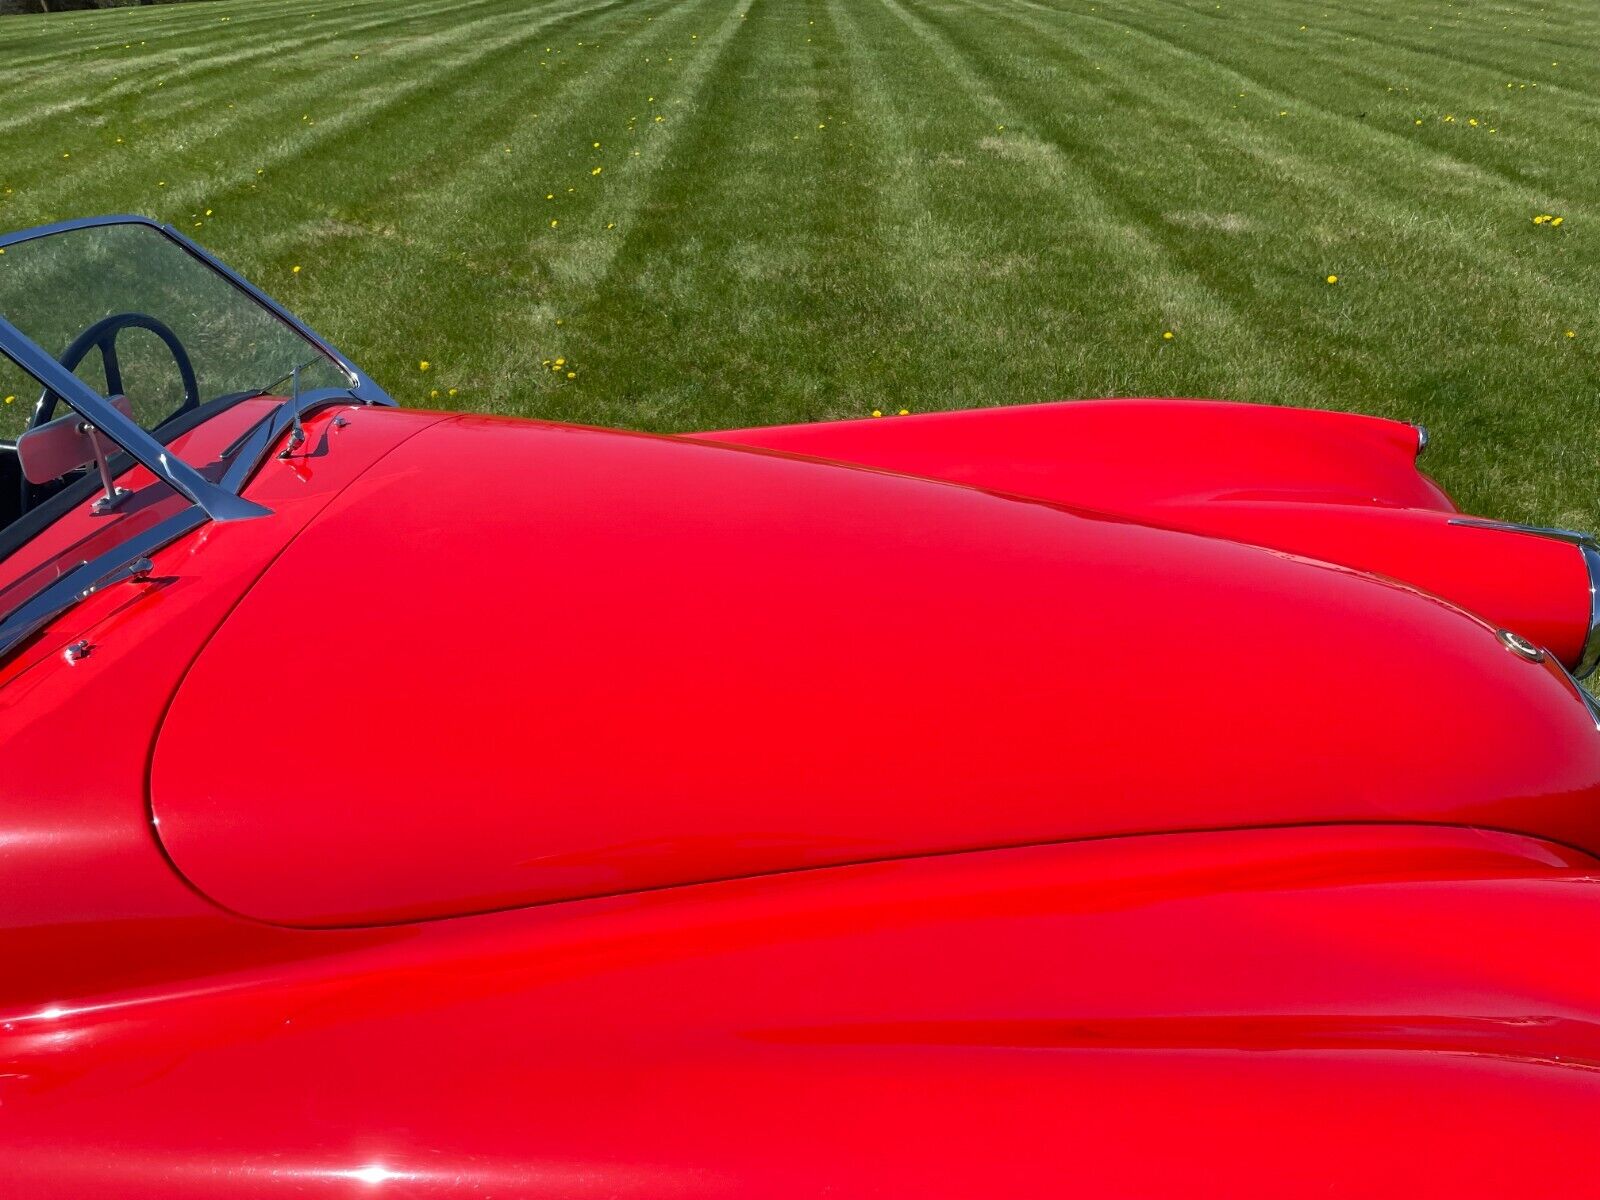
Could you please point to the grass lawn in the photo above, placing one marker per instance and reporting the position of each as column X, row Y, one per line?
column 729, row 212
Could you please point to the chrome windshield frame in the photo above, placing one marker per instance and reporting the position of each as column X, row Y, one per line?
column 216, row 502
column 362, row 387
column 213, row 501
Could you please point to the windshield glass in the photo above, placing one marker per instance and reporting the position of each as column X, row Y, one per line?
column 179, row 332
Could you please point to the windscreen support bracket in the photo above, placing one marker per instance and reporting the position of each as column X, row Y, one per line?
column 217, row 503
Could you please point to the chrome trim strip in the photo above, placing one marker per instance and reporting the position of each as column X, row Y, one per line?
column 1576, row 537
column 89, row 577
column 1422, row 438
column 1589, row 701
column 1590, row 658
column 1589, row 547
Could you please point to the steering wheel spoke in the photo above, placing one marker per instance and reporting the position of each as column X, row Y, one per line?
column 103, row 335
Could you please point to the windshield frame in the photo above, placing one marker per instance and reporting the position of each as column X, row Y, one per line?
column 220, row 501
column 362, row 386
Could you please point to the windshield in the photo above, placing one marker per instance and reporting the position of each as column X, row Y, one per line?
column 132, row 312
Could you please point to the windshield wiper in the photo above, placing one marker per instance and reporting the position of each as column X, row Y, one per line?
column 248, row 450
column 129, row 562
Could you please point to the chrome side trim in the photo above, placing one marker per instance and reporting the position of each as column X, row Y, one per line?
column 1589, row 701
column 1589, row 547
column 1422, row 439
column 1575, row 536
column 1590, row 658
column 124, row 562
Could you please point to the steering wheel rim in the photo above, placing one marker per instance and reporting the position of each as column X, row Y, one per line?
column 103, row 333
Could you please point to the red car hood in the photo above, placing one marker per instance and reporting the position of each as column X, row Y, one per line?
column 517, row 662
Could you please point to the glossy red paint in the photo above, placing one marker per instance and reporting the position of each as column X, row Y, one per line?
column 1332, row 486
column 470, row 664
column 659, row 661
column 1362, row 1011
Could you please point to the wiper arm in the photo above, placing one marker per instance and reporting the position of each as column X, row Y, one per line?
column 250, row 448
column 129, row 561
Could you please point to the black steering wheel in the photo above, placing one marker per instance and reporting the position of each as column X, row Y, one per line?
column 103, row 333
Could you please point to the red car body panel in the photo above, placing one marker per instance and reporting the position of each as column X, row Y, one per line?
column 855, row 833
column 1333, row 486
column 688, row 662
column 1350, row 1011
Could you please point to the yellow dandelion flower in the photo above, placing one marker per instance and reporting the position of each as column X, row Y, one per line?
column 294, row 270
column 561, row 362
column 1473, row 121
column 905, row 412
column 1572, row 333
column 597, row 145
column 553, row 224
column 434, row 394
column 572, row 374
column 611, row 224
column 877, row 412
column 424, row 365
column 1557, row 220
column 11, row 399
column 596, row 171
column 451, row 392
column 1167, row 336
column 1333, row 279
column 208, row 212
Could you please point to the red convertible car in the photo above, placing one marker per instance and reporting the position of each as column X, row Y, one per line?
column 1116, row 798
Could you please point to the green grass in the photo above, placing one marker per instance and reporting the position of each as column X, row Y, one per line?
column 811, row 208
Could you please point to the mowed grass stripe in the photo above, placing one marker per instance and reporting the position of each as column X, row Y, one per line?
column 1391, row 85
column 102, row 72
column 1348, row 224
column 1153, row 293
column 326, row 99
column 911, row 253
column 536, row 272
column 775, row 204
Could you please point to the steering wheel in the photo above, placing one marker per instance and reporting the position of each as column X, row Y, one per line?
column 103, row 333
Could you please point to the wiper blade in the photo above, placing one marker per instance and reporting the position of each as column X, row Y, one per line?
column 292, row 373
